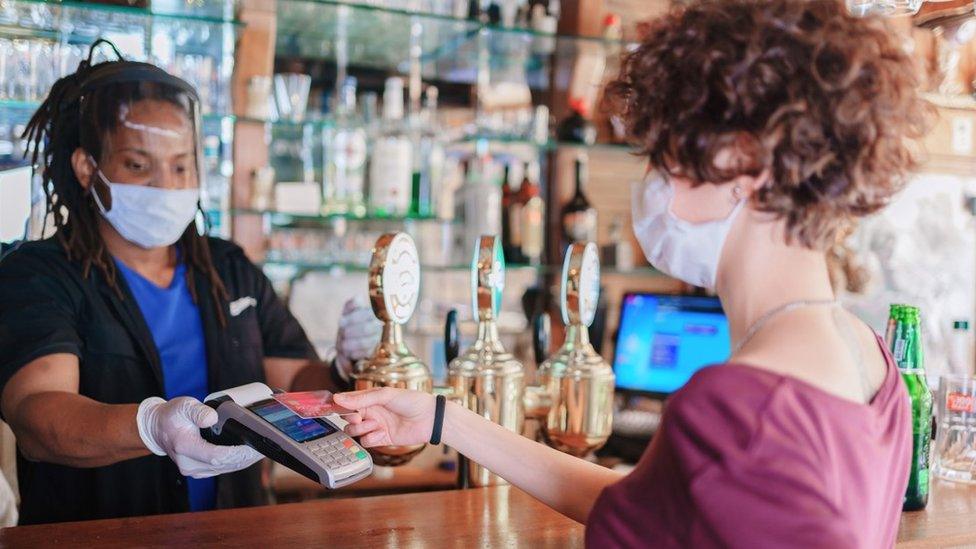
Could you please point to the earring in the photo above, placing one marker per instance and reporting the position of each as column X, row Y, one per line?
column 736, row 193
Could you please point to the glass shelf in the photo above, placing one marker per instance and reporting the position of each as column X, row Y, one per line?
column 204, row 11
column 499, row 140
column 17, row 109
column 299, row 266
column 548, row 145
column 306, row 266
column 285, row 218
column 450, row 49
column 42, row 41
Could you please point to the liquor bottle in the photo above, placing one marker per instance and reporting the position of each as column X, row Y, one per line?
column 961, row 348
column 343, row 182
column 215, row 198
column 494, row 13
column 478, row 11
column 533, row 215
column 372, row 125
column 577, row 128
column 618, row 253
column 906, row 348
column 579, row 217
column 555, row 9
column 481, row 199
column 613, row 34
column 428, row 159
column 511, row 219
column 451, row 180
column 390, row 167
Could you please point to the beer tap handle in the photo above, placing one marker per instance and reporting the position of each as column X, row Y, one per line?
column 541, row 330
column 452, row 337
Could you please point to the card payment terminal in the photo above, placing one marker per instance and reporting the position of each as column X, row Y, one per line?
column 315, row 448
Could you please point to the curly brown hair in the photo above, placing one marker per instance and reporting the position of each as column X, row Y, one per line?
column 825, row 101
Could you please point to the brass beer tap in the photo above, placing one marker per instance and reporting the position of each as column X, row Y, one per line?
column 486, row 378
column 574, row 399
column 394, row 289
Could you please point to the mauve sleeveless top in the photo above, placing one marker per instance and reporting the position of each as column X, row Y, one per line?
column 749, row 458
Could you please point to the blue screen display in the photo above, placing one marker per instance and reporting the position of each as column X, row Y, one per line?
column 298, row 429
column 663, row 340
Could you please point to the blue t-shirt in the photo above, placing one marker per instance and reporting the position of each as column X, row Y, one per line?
column 174, row 320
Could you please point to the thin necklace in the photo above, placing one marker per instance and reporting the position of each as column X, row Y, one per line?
column 782, row 309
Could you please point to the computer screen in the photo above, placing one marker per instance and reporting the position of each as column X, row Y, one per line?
column 662, row 340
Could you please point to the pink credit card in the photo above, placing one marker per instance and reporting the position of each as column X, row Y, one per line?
column 311, row 404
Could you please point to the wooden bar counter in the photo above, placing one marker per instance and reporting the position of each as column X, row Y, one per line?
column 484, row 517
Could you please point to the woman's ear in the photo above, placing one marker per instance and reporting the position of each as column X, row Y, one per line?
column 83, row 166
column 747, row 184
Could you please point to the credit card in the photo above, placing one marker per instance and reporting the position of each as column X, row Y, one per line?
column 312, row 404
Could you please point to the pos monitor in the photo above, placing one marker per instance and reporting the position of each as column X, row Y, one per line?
column 662, row 340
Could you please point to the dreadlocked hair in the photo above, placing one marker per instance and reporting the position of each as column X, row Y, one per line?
column 69, row 119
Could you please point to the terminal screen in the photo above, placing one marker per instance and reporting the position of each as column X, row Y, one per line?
column 283, row 419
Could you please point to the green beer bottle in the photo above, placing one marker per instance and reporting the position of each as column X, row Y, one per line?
column 906, row 347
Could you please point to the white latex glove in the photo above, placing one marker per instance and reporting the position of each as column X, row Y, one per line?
column 359, row 334
column 172, row 428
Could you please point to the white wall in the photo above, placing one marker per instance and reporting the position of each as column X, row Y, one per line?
column 921, row 250
column 15, row 197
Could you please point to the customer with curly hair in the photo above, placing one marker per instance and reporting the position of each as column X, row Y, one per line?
column 770, row 127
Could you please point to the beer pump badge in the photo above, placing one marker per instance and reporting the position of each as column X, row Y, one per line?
column 580, row 284
column 400, row 279
column 487, row 277
column 589, row 286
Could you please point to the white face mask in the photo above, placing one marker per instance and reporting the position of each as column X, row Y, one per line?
column 147, row 216
column 687, row 251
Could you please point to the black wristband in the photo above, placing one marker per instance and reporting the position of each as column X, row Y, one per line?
column 439, row 404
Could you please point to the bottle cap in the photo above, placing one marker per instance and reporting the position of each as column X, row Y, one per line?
column 394, row 278
column 578, row 105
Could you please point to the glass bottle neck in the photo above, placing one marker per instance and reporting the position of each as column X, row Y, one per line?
column 580, row 177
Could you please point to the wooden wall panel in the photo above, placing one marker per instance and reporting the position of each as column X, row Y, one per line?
column 632, row 12
column 255, row 57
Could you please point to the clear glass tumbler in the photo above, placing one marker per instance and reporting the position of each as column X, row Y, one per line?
column 955, row 441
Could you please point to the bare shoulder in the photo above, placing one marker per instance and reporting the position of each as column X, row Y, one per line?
column 831, row 350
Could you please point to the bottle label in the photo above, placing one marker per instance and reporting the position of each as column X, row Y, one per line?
column 959, row 402
column 899, row 351
column 347, row 165
column 515, row 225
column 390, row 177
column 581, row 226
column 533, row 228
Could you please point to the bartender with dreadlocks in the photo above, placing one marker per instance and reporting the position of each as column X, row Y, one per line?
column 114, row 329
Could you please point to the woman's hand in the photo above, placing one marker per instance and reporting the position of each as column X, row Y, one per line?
column 388, row 416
